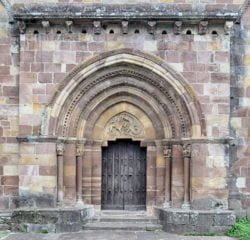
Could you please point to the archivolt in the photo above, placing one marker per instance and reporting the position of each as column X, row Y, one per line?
column 130, row 73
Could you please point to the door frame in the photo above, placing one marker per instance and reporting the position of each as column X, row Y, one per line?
column 146, row 168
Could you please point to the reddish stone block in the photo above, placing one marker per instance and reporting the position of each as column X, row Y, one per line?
column 59, row 77
column 223, row 109
column 205, row 57
column 4, row 202
column 189, row 56
column 1, row 170
column 223, row 57
column 52, row 67
column 79, row 46
column 82, row 56
column 4, row 70
column 203, row 77
column 96, row 46
column 44, row 56
column 10, row 91
column 5, row 59
column 47, row 170
column 173, row 56
column 4, row 48
column 37, row 67
column 220, row 77
column 10, row 190
column 27, row 56
column 45, row 77
column 28, row 77
column 10, row 180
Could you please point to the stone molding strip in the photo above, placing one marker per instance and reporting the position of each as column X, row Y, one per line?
column 120, row 11
column 226, row 140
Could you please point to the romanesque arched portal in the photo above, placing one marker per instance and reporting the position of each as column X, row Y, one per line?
column 125, row 94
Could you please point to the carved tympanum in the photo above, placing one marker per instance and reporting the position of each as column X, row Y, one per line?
column 124, row 125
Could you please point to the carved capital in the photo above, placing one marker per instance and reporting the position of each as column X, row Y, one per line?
column 22, row 27
column 125, row 27
column 228, row 27
column 46, row 25
column 152, row 27
column 203, row 27
column 167, row 151
column 69, row 25
column 97, row 27
column 60, row 149
column 177, row 27
column 79, row 149
column 187, row 150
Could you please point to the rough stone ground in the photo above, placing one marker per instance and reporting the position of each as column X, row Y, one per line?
column 106, row 235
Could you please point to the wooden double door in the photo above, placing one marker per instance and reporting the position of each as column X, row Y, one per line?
column 124, row 176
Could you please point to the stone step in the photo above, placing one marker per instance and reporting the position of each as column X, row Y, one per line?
column 125, row 226
column 136, row 219
column 122, row 213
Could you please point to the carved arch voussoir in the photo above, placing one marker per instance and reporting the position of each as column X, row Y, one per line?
column 131, row 58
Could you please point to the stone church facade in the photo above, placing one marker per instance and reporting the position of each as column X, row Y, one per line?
column 125, row 105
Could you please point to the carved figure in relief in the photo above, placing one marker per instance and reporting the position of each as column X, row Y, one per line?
column 124, row 124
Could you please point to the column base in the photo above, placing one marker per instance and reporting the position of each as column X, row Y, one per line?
column 185, row 205
column 167, row 204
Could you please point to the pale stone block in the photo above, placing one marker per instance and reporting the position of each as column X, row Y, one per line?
column 111, row 45
column 247, row 81
column 236, row 122
column 247, row 59
column 241, row 182
column 69, row 171
column 9, row 148
column 48, row 45
column 10, row 170
column 63, row 67
column 216, row 183
column 46, row 159
column 160, row 162
column 176, row 66
column 224, row 68
column 244, row 102
column 28, row 159
column 150, row 46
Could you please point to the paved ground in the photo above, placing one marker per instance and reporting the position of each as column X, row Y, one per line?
column 106, row 235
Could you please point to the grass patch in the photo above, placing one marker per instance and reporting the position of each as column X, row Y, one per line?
column 241, row 229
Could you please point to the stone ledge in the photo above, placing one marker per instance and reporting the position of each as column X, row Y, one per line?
column 188, row 221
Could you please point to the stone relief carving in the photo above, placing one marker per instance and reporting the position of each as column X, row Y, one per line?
column 124, row 125
column 167, row 151
column 60, row 148
column 187, row 150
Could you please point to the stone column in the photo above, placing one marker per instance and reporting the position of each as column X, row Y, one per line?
column 187, row 159
column 60, row 153
column 167, row 153
column 79, row 166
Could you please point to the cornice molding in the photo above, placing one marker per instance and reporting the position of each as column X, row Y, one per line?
column 121, row 12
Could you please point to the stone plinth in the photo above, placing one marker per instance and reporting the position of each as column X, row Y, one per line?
column 49, row 220
column 189, row 221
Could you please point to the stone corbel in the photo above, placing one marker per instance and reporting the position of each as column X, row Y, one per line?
column 69, row 25
column 22, row 27
column 125, row 27
column 203, row 25
column 97, row 27
column 177, row 27
column 187, row 150
column 228, row 27
column 46, row 25
column 152, row 27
